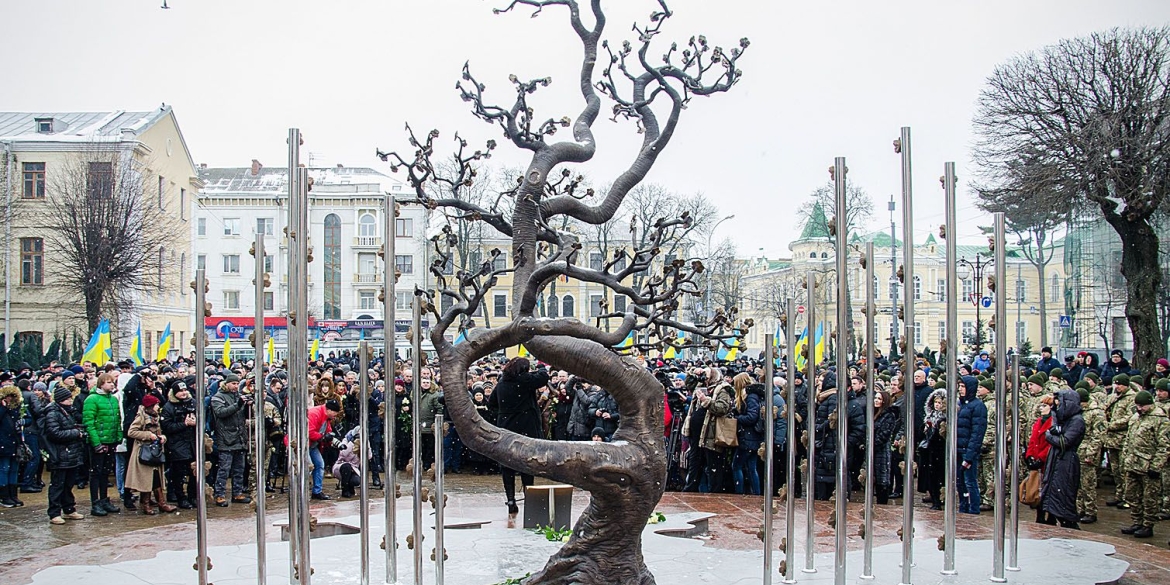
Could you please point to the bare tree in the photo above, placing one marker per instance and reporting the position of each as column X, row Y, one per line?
column 1093, row 110
column 105, row 238
column 625, row 477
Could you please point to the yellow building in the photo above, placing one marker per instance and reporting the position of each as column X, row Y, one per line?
column 42, row 155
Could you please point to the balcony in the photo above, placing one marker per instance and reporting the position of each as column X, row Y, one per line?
column 367, row 241
column 367, row 277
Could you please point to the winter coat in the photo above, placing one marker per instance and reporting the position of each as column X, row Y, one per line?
column 932, row 458
column 1118, row 410
column 10, row 428
column 1092, row 365
column 345, row 454
column 139, row 476
column 180, row 437
column 970, row 428
column 604, row 401
column 132, row 394
column 1047, row 364
column 62, row 438
column 102, row 419
column 1038, row 445
column 430, row 404
column 885, row 427
column 921, row 393
column 826, row 436
column 1090, row 449
column 579, row 429
column 1147, row 442
column 747, row 435
column 1110, row 369
column 230, row 414
column 1062, row 471
column 319, row 425
column 722, row 399
column 780, row 422
column 514, row 402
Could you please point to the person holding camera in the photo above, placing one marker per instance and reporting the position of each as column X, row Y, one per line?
column 102, row 418
column 229, row 410
column 65, row 442
column 178, row 424
column 321, row 434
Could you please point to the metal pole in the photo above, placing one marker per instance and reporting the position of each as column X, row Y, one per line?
column 810, row 534
column 364, row 459
column 1013, row 563
column 298, row 348
column 843, row 383
column 200, row 423
column 871, row 386
column 790, row 404
column 258, row 392
column 769, row 451
column 952, row 349
column 416, row 431
column 440, row 552
column 1000, row 385
column 908, row 356
column 389, row 353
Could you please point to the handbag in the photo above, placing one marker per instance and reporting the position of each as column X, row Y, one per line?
column 1030, row 489
column 726, row 428
column 151, row 454
column 23, row 453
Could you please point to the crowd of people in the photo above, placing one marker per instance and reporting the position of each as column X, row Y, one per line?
column 133, row 430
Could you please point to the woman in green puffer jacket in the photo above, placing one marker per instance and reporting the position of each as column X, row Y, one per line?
column 102, row 417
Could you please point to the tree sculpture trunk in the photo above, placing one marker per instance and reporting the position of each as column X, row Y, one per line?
column 1143, row 279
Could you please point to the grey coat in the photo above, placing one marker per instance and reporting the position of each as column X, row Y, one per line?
column 230, row 414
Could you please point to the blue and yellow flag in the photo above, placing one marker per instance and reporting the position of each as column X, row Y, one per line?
column 460, row 338
column 670, row 352
column 164, row 344
column 227, row 353
column 99, row 351
column 315, row 351
column 271, row 350
column 801, row 343
column 136, row 347
column 818, row 346
column 626, row 343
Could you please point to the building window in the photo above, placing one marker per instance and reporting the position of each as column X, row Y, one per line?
column 448, row 267
column 268, row 259
column 595, row 305
column 231, row 299
column 500, row 263
column 1021, row 290
column 99, row 180
column 367, row 226
column 201, row 262
column 942, row 290
column 332, row 289
column 269, row 301
column 161, row 263
column 201, row 226
column 367, row 267
column 619, row 304
column 567, row 307
column 264, row 225
column 367, row 301
column 595, row 260
column 34, row 180
column 32, row 261
column 404, row 263
column 162, row 181
column 918, row 334
column 1054, row 329
column 182, row 271
column 917, row 288
column 182, row 204
column 1021, row 332
column 500, row 305
column 968, row 331
column 553, row 306
column 1054, row 288
column 942, row 331
column 894, row 288
column 404, row 227
column 231, row 263
column 402, row 300
column 968, row 290
column 44, row 125
column 231, row 226
column 877, row 288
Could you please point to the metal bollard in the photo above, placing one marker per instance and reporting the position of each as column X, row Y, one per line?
column 871, row 386
column 258, row 391
column 769, row 451
column 364, row 458
column 843, row 383
column 952, row 466
column 790, row 478
column 440, row 503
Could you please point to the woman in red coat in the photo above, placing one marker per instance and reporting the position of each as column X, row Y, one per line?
column 1037, row 452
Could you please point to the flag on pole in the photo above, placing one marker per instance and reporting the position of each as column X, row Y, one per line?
column 460, row 338
column 136, row 347
column 315, row 351
column 672, row 353
column 626, row 343
column 801, row 343
column 523, row 352
column 164, row 344
column 819, row 344
column 227, row 353
column 271, row 350
column 98, row 351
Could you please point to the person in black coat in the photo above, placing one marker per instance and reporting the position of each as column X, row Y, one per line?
column 514, row 402
column 65, row 441
column 1062, row 471
column 178, row 425
column 885, row 426
column 970, row 428
column 693, row 431
column 603, row 411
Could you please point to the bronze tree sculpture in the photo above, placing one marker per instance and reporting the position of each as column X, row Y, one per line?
column 625, row 477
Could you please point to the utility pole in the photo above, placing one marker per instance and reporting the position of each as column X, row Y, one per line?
column 893, row 283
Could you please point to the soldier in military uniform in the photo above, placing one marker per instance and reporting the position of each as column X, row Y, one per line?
column 987, row 464
column 1090, row 454
column 1055, row 382
column 1162, row 401
column 1118, row 409
column 1146, row 453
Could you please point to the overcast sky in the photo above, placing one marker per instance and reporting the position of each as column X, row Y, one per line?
column 821, row 79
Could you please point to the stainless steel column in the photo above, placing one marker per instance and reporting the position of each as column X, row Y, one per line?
column 364, row 458
column 1000, row 385
column 389, row 424
column 810, row 534
column 790, row 478
column 201, row 560
column 952, row 350
column 416, row 431
column 1013, row 563
column 258, row 392
column 440, row 502
column 871, row 387
column 298, row 349
column 769, row 451
column 903, row 148
column 843, row 382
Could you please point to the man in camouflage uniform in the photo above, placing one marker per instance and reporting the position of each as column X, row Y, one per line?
column 1162, row 401
column 1118, row 408
column 1098, row 392
column 1030, row 396
column 1090, row 454
column 1146, row 453
column 1055, row 382
column 987, row 464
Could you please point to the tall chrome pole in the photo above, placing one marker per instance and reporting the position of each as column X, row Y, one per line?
column 769, row 452
column 389, row 496
column 258, row 392
column 298, row 349
column 790, row 415
column 871, row 386
column 1013, row 563
column 952, row 350
column 364, row 459
column 810, row 532
column 1000, row 385
column 416, row 431
column 201, row 559
column 440, row 501
column 902, row 146
column 843, row 383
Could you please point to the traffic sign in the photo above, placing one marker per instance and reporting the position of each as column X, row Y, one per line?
column 1065, row 321
column 986, row 302
column 800, row 309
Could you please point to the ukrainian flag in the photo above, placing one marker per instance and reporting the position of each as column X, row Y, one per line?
column 818, row 346
column 99, row 351
column 801, row 343
column 626, row 343
column 315, row 351
column 136, row 347
column 271, row 350
column 164, row 344
column 670, row 352
column 227, row 353
column 460, row 338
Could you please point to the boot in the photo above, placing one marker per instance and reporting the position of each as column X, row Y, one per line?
column 163, row 505
column 109, row 507
column 146, row 505
column 128, row 501
column 1144, row 532
column 1131, row 529
column 13, row 493
column 1088, row 519
column 6, row 498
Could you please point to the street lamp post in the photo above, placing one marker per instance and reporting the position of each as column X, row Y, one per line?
column 966, row 269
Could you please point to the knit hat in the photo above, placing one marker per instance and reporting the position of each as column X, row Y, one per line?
column 1165, row 363
column 1083, row 393
column 987, row 383
column 1082, row 385
column 149, row 401
column 1116, row 352
column 1121, row 380
column 1056, row 373
column 40, row 386
column 1163, row 385
column 1143, row 398
column 1093, row 376
column 76, row 369
column 61, row 394
column 230, row 377
column 1043, row 376
column 1037, row 379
